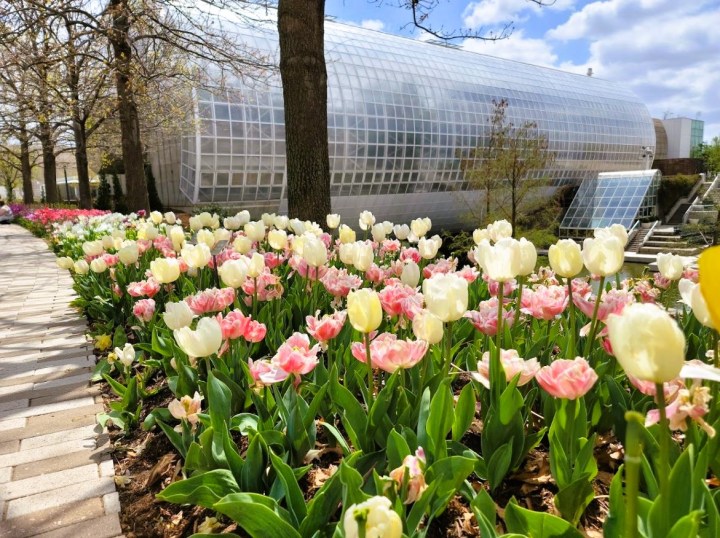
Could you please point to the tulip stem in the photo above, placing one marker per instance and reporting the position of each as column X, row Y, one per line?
column 255, row 298
column 664, row 466
column 448, row 349
column 716, row 362
column 633, row 452
column 571, row 342
column 521, row 281
column 370, row 377
column 593, row 323
column 498, row 335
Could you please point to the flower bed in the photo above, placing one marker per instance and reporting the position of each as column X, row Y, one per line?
column 313, row 384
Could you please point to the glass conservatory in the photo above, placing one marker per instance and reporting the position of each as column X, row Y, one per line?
column 402, row 114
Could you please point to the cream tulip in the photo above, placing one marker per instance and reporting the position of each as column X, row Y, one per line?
column 129, row 253
column 207, row 237
column 388, row 226
column 65, row 263
column 671, row 266
column 363, row 256
column 378, row 232
column 178, row 315
column 427, row 326
column 126, row 355
column 281, row 222
column 297, row 226
column 528, row 257
column 231, row 223
column 428, row 247
column 177, row 236
column 98, row 265
column 234, row 272
column 401, row 231
column 196, row 256
column 692, row 296
column 647, row 342
column 479, row 234
column 366, row 220
column 410, row 275
column 446, row 296
column 500, row 262
column 204, row 341
column 314, row 251
column 92, row 248
column 242, row 244
column 347, row 253
column 108, row 242
column 81, row 267
column 243, row 216
column 222, row 234
column 346, row 234
column 604, row 255
column 255, row 230
column 268, row 219
column 616, row 230
column 364, row 310
column 170, row 217
column 566, row 258
column 156, row 217
column 277, row 239
column 500, row 229
column 256, row 267
column 165, row 270
column 332, row 220
column 378, row 517
column 419, row 227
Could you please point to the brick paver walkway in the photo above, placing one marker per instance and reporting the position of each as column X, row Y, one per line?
column 56, row 477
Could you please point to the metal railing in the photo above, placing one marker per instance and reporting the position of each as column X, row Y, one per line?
column 649, row 234
column 697, row 205
column 685, row 199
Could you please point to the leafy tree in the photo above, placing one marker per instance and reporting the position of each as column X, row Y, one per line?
column 104, row 194
column 510, row 161
column 710, row 155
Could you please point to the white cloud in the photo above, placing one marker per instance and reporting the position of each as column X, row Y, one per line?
column 665, row 51
column 516, row 47
column 373, row 24
column 492, row 13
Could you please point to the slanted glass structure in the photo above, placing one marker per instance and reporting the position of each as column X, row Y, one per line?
column 615, row 197
column 402, row 114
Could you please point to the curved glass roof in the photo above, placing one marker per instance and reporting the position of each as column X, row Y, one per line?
column 401, row 115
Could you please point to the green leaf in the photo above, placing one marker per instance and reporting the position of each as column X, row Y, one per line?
column 353, row 416
column 257, row 519
column 499, row 465
column 161, row 344
column 537, row 524
column 352, row 481
column 293, row 495
column 572, row 500
column 397, row 448
column 203, row 490
column 440, row 420
column 464, row 412
column 251, row 476
column 615, row 522
column 511, row 402
column 448, row 473
column 485, row 512
column 174, row 437
column 687, row 526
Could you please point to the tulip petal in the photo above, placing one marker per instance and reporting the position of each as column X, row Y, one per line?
column 697, row 370
column 709, row 264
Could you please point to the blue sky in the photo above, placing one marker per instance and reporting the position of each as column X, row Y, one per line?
column 666, row 51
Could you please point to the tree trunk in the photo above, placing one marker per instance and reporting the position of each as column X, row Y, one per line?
column 132, row 149
column 81, row 163
column 49, row 167
column 513, row 209
column 25, row 168
column 304, row 81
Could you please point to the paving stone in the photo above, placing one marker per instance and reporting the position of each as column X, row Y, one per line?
column 52, row 519
column 58, row 463
column 59, row 496
column 45, row 452
column 5, row 476
column 44, row 424
column 102, row 527
column 111, row 502
column 12, row 423
column 7, row 447
column 67, row 394
column 48, row 481
column 84, row 432
column 14, row 404
column 47, row 408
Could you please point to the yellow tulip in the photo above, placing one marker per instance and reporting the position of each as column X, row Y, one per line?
column 709, row 264
column 364, row 310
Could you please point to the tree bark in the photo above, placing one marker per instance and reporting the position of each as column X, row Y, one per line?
column 81, row 163
column 304, row 81
column 132, row 149
column 49, row 167
column 25, row 168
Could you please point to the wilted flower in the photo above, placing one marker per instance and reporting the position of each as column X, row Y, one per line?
column 186, row 408
column 692, row 403
column 412, row 467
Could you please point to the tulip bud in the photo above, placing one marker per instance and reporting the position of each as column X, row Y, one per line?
column 378, row 232
column 65, row 262
column 332, row 220
column 346, row 234
column 177, row 236
column 170, row 217
column 364, row 310
column 363, row 256
column 603, row 255
column 528, row 257
column 156, row 217
column 446, row 296
column 366, row 220
column 671, row 266
column 410, row 275
column 377, row 516
column 277, row 239
column 647, row 342
column 129, row 254
column 81, row 267
column 566, row 258
column 98, row 265
column 256, row 265
column 178, row 315
column 427, row 326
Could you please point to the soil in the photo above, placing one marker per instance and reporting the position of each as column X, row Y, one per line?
column 146, row 462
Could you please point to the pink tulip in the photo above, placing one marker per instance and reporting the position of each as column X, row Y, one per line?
column 692, row 403
column 301, row 267
column 375, row 274
column 410, row 254
column 485, row 317
column 338, row 282
column 544, row 302
column 691, row 274
column 393, row 296
column 268, row 287
column 661, row 282
column 646, row 291
column 110, row 260
column 389, row 246
column 144, row 309
column 265, row 373
column 296, row 356
column 326, row 328
column 414, row 466
column 568, row 379
column 443, row 265
column 388, row 353
column 210, row 300
column 144, row 288
column 469, row 273
column 494, row 287
column 512, row 364
column 613, row 302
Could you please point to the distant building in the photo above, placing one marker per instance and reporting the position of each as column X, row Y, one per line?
column 681, row 136
column 401, row 115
